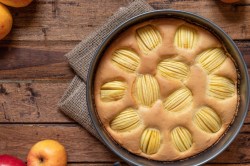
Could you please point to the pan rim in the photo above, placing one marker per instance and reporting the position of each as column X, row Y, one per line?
column 168, row 13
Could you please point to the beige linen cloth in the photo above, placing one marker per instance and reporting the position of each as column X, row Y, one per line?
column 73, row 102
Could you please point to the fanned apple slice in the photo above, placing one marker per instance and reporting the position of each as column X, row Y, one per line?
column 113, row 91
column 146, row 89
column 178, row 100
column 126, row 59
column 182, row 138
column 150, row 141
column 211, row 59
column 185, row 37
column 125, row 121
column 148, row 38
column 220, row 87
column 207, row 120
column 173, row 69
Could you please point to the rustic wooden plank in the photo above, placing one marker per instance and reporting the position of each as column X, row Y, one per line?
column 14, row 58
column 244, row 47
column 42, row 45
column 16, row 63
column 82, row 147
column 27, row 102
column 41, row 62
column 34, row 103
column 56, row 71
column 73, row 20
column 232, row 18
column 51, row 35
column 64, row 20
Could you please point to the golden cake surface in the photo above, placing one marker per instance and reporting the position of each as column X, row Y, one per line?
column 166, row 89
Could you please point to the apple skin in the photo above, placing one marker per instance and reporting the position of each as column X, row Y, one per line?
column 7, row 160
column 5, row 21
column 229, row 1
column 16, row 3
column 47, row 153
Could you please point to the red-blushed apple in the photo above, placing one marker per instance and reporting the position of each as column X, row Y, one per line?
column 16, row 3
column 47, row 153
column 229, row 1
column 7, row 160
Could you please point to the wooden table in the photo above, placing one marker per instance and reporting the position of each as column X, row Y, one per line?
column 34, row 73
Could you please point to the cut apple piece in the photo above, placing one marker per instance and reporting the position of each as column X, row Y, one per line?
column 126, row 60
column 146, row 89
column 207, row 120
column 173, row 69
column 148, row 38
column 113, row 91
column 211, row 59
column 220, row 87
column 125, row 121
column 182, row 138
column 150, row 141
column 178, row 100
column 185, row 37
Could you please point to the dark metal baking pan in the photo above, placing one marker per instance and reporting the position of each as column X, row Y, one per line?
column 233, row 130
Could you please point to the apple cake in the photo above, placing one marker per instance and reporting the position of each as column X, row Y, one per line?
column 166, row 89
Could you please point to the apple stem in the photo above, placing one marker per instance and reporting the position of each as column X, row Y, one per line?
column 41, row 159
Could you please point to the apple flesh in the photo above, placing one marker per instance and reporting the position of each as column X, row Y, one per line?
column 47, row 153
column 7, row 160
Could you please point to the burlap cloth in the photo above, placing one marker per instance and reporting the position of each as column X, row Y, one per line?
column 73, row 102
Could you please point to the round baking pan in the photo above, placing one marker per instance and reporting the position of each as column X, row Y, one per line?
column 243, row 88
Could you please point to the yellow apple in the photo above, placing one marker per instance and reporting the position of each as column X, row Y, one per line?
column 5, row 21
column 16, row 3
column 47, row 153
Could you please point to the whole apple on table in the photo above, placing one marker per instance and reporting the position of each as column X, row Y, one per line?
column 5, row 16
column 7, row 160
column 47, row 153
column 43, row 153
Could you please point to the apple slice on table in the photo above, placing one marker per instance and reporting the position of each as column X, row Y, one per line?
column 47, row 153
column 7, row 160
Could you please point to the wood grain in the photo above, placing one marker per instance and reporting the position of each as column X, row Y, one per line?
column 82, row 147
column 79, row 144
column 31, row 103
column 232, row 18
column 34, row 73
column 35, row 103
column 41, row 64
column 73, row 20
column 33, row 64
column 64, row 20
